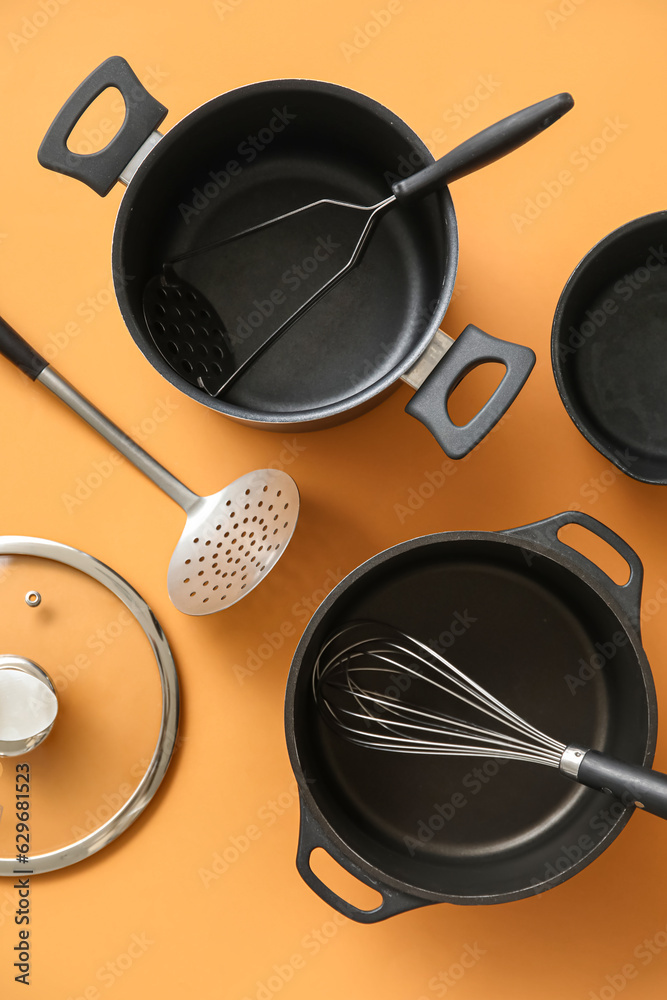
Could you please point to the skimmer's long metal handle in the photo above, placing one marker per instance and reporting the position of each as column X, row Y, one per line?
column 21, row 354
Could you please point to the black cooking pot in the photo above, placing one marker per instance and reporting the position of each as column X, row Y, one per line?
column 260, row 151
column 547, row 632
column 609, row 347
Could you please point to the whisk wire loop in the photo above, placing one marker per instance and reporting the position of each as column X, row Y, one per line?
column 347, row 685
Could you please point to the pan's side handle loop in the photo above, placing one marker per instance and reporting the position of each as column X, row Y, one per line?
column 628, row 594
column 471, row 348
column 101, row 170
column 312, row 836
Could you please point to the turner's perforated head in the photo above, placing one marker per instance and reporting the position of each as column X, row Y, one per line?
column 187, row 330
column 231, row 541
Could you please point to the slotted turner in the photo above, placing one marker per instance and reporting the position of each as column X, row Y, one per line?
column 231, row 539
column 487, row 146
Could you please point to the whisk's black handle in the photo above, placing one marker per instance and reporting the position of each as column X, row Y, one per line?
column 491, row 144
column 19, row 352
column 101, row 170
column 631, row 783
column 545, row 533
column 311, row 836
column 471, row 348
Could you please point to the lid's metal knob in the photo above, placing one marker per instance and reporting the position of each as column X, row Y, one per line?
column 28, row 705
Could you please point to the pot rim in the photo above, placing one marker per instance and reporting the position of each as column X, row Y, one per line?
column 136, row 189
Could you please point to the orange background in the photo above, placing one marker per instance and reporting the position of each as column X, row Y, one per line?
column 227, row 938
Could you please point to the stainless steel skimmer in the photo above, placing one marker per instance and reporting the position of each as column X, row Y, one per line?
column 231, row 539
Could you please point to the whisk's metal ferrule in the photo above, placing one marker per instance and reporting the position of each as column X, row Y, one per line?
column 571, row 759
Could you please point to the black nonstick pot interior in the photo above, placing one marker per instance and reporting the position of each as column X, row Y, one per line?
column 318, row 140
column 528, row 628
column 609, row 347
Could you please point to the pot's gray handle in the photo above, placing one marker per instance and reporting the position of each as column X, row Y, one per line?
column 311, row 836
column 101, row 170
column 471, row 348
column 628, row 594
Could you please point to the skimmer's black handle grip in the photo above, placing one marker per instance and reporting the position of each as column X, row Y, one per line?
column 19, row 352
column 491, row 144
column 628, row 782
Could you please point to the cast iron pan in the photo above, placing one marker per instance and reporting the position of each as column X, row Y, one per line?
column 526, row 616
column 609, row 347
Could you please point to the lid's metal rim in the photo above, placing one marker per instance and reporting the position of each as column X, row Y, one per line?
column 147, row 787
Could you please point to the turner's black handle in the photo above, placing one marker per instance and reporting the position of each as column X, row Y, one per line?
column 629, row 782
column 19, row 352
column 491, row 144
column 101, row 170
column 471, row 348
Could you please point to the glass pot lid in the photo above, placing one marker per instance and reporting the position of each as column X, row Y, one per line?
column 87, row 723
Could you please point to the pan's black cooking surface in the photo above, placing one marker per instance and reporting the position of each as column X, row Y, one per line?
column 329, row 147
column 609, row 347
column 621, row 369
column 528, row 632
